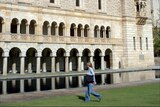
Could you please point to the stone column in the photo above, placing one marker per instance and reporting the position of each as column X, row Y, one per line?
column 29, row 66
column 18, row 28
column 75, row 32
column 38, row 64
column 91, row 60
column 4, row 87
column 22, row 65
column 53, row 64
column 82, row 65
column 79, row 70
column 14, row 67
column 82, row 32
column 88, row 32
column 102, row 68
column 36, row 29
column 79, row 63
column 21, row 86
column 102, row 62
column 5, row 63
column 49, row 30
column 3, row 27
column 98, row 33
column 57, row 66
column 64, row 31
column 70, row 65
column 44, row 67
column 38, row 84
column 27, row 28
column 104, row 33
column 57, row 31
column 66, row 70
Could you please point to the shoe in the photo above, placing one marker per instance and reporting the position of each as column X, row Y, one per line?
column 99, row 98
column 86, row 101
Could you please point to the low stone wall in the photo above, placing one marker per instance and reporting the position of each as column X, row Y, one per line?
column 157, row 63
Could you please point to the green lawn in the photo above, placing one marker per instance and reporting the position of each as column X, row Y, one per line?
column 144, row 95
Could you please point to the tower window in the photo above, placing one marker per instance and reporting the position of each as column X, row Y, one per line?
column 52, row 1
column 134, row 43
column 77, row 3
column 99, row 4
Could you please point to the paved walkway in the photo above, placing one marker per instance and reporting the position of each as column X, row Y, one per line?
column 74, row 91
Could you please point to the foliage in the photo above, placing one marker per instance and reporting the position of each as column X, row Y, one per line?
column 156, row 34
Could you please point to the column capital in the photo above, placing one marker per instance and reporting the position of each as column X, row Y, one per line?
column 18, row 23
column 56, row 26
column 48, row 26
column 35, row 24
column 27, row 24
column 2, row 22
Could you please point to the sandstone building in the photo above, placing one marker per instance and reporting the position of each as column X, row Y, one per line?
column 48, row 36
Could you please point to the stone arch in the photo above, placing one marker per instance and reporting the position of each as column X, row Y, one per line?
column 86, row 30
column 1, row 60
column 45, row 28
column 86, row 57
column 61, row 29
column 53, row 28
column 72, row 29
column 97, row 58
column 108, row 59
column 46, row 60
column 30, row 61
column 101, row 31
column 60, row 60
column 79, row 29
column 23, row 26
column 14, row 24
column 32, row 27
column 108, row 32
column 14, row 60
column 73, row 65
column 96, row 29
column 1, row 24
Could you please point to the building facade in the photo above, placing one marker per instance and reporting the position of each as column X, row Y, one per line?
column 39, row 36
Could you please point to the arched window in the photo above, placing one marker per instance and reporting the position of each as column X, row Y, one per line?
column 108, row 32
column 140, row 40
column 134, row 43
column 86, row 30
column 79, row 33
column 101, row 31
column 61, row 29
column 1, row 23
column 53, row 28
column 96, row 28
column 146, row 43
column 45, row 28
column 32, row 26
column 14, row 25
column 72, row 29
column 23, row 26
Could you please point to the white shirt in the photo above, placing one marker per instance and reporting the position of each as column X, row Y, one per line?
column 91, row 72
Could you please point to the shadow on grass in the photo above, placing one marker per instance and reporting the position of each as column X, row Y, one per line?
column 81, row 97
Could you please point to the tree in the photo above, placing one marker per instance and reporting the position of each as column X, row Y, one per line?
column 156, row 35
